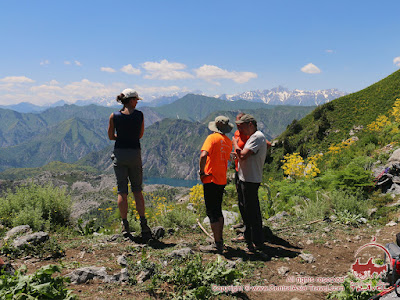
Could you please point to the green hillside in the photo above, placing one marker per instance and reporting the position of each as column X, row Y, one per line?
column 332, row 122
column 67, row 141
column 196, row 107
column 271, row 121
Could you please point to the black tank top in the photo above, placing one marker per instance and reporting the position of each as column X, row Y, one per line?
column 128, row 129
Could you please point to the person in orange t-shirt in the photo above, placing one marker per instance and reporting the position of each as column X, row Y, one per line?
column 214, row 157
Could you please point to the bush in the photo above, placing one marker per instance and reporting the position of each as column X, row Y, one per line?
column 37, row 206
column 344, row 201
column 40, row 285
column 179, row 216
column 190, row 279
column 315, row 209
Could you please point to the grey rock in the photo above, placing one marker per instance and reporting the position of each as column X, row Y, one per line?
column 143, row 276
column 391, row 224
column 308, row 258
column 283, row 271
column 394, row 158
column 190, row 206
column 121, row 260
column 371, row 211
column 181, row 253
column 158, row 232
column 309, row 242
column 32, row 239
column 230, row 217
column 278, row 217
column 83, row 275
column 18, row 230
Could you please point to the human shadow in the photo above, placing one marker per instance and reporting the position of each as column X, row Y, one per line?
column 153, row 243
column 271, row 238
column 262, row 255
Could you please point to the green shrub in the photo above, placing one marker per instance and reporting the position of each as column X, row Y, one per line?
column 40, row 285
column 190, row 279
column 50, row 248
column 353, row 177
column 178, row 216
column 353, row 203
column 315, row 209
column 37, row 206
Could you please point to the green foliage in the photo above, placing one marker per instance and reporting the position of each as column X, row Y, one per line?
column 40, row 285
column 315, row 210
column 50, row 248
column 346, row 202
column 191, row 279
column 88, row 228
column 37, row 206
column 351, row 293
column 353, row 177
column 179, row 216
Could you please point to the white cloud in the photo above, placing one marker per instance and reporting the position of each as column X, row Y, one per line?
column 67, row 62
column 16, row 79
column 107, row 69
column 161, row 90
column 329, row 51
column 78, row 63
column 396, row 61
column 53, row 82
column 44, row 62
column 310, row 69
column 129, row 69
column 210, row 73
column 165, row 70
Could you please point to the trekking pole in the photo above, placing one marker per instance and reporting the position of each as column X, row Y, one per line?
column 202, row 228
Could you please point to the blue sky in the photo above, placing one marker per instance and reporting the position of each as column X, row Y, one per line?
column 75, row 50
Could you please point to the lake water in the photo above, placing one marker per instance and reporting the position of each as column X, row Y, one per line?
column 172, row 182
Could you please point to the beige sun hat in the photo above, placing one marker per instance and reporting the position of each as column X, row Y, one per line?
column 220, row 124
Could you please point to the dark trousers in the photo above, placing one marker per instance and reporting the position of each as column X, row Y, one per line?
column 213, row 194
column 249, row 207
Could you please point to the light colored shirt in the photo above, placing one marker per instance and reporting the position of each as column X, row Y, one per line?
column 251, row 168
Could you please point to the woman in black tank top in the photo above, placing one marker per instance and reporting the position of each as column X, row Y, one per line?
column 126, row 127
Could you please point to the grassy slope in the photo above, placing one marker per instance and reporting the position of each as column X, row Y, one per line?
column 342, row 114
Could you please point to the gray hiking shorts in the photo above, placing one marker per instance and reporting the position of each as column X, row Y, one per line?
column 127, row 164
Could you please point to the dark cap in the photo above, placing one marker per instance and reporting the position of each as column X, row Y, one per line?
column 246, row 118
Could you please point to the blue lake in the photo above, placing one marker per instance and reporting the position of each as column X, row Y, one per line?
column 171, row 182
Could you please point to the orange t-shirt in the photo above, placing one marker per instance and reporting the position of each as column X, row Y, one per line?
column 241, row 142
column 219, row 147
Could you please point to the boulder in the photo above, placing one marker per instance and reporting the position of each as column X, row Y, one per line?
column 158, row 232
column 83, row 275
column 394, row 158
column 181, row 253
column 17, row 230
column 230, row 218
column 31, row 239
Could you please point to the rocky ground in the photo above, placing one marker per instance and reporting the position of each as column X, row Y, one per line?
column 294, row 256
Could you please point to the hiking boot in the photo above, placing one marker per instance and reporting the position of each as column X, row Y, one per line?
column 125, row 228
column 145, row 229
column 216, row 247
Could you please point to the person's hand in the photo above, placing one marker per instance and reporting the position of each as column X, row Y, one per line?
column 202, row 176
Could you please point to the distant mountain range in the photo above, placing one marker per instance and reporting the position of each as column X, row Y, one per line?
column 173, row 135
column 275, row 96
column 283, row 96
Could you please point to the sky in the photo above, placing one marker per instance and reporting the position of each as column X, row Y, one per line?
column 77, row 50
